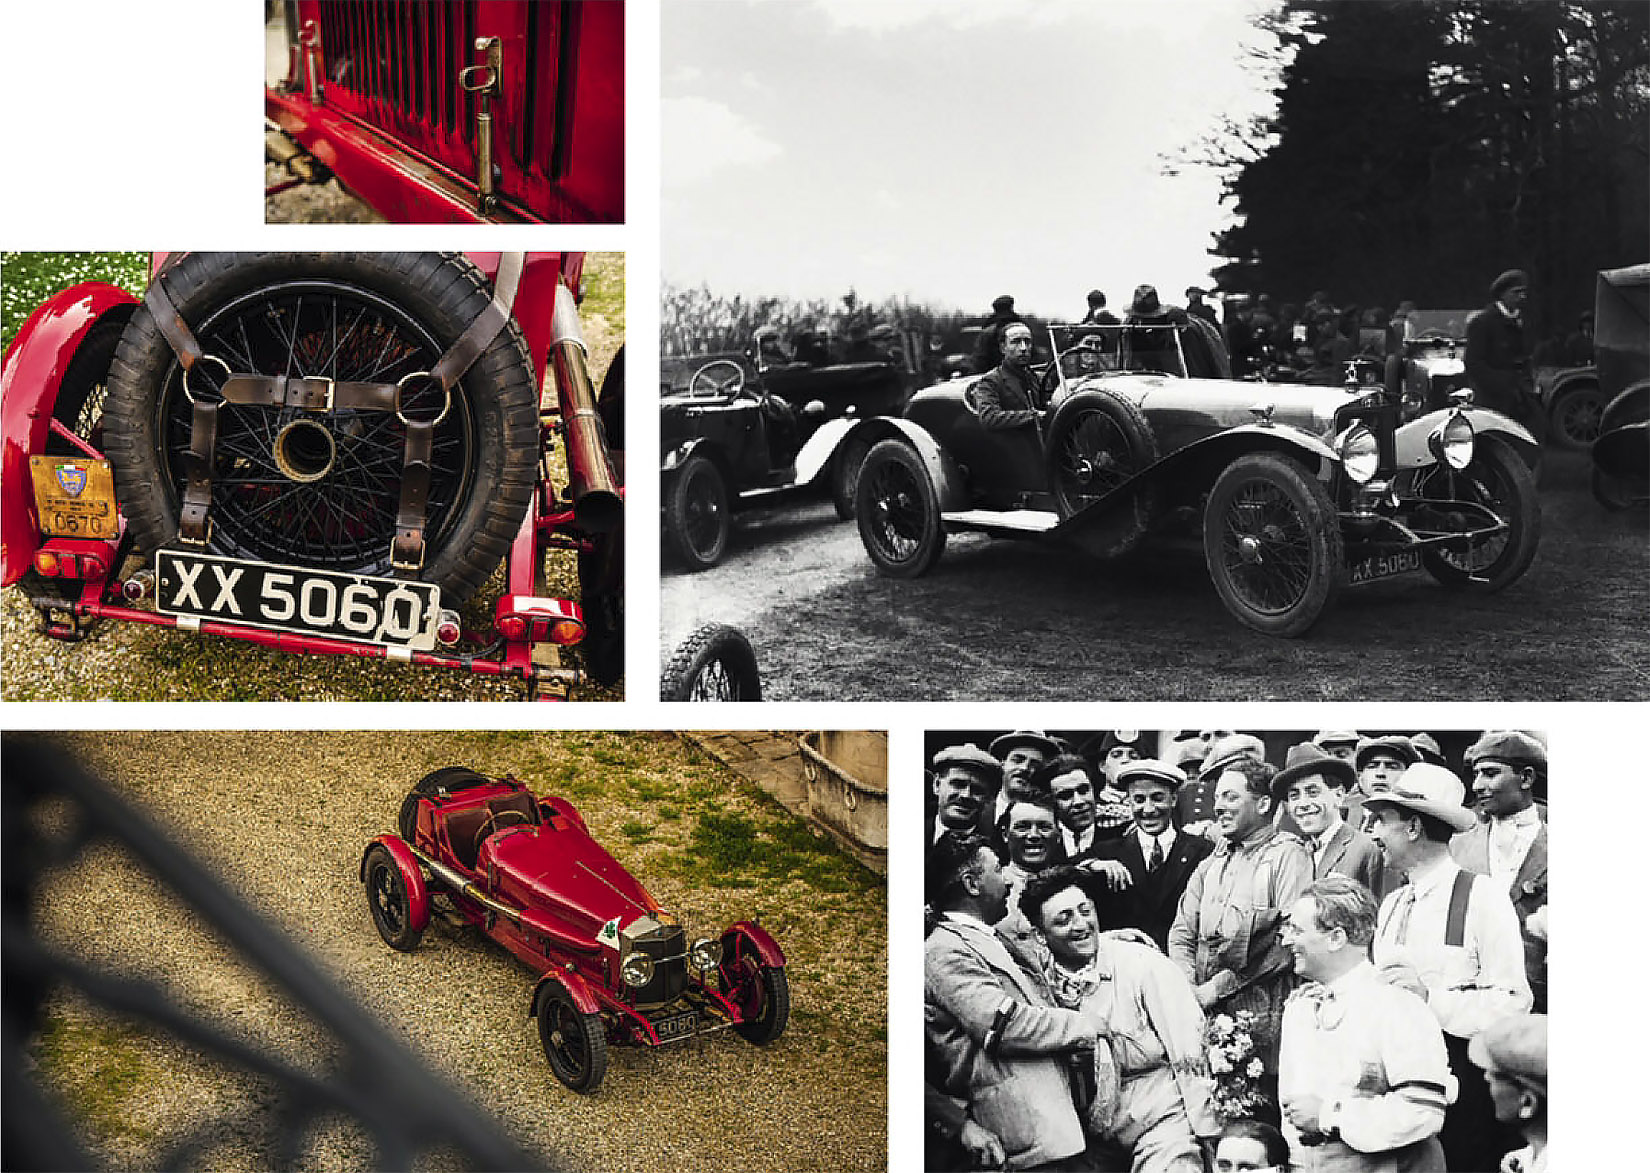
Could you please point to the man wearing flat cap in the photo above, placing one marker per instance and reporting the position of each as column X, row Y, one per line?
column 1195, row 803
column 1160, row 860
column 1457, row 933
column 1339, row 743
column 1513, row 1054
column 966, row 781
column 1497, row 356
column 1511, row 846
column 1310, row 788
column 1380, row 761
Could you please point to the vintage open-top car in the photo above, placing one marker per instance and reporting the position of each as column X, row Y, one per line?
column 326, row 453
column 1430, row 361
column 614, row 966
column 1300, row 489
column 456, row 111
column 741, row 431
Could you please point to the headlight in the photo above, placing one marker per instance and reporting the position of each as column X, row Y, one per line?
column 637, row 969
column 706, row 954
column 1452, row 443
column 1360, row 454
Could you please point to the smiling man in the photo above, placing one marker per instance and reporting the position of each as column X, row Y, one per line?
column 1311, row 787
column 966, row 781
column 1363, row 1076
column 1032, row 837
column 1511, row 846
column 1022, row 754
column 1225, row 932
column 1160, row 859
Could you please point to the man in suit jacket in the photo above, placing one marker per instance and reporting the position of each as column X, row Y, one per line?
column 1311, row 787
column 1511, row 846
column 1157, row 858
column 1497, row 356
column 999, row 1042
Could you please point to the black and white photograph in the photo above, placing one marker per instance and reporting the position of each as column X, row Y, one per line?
column 1177, row 950
column 1178, row 351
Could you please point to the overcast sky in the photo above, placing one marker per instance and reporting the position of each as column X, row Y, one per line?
column 949, row 150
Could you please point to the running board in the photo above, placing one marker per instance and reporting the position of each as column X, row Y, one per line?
column 1004, row 521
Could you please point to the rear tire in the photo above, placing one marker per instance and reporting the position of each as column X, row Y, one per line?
column 325, row 494
column 715, row 663
column 898, row 511
column 696, row 513
column 1273, row 544
column 448, row 779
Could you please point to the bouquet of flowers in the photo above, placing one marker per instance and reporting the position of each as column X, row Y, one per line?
column 1234, row 1067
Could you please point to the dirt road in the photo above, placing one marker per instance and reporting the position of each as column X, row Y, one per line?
column 1016, row 620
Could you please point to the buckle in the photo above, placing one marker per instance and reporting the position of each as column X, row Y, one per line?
column 331, row 390
column 397, row 564
column 198, row 543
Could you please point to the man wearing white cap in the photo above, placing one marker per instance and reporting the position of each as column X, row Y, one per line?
column 1457, row 932
column 1511, row 847
column 1195, row 804
column 1159, row 859
column 1022, row 754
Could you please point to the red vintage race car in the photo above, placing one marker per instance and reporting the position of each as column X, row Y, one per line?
column 457, row 111
column 324, row 453
column 614, row 966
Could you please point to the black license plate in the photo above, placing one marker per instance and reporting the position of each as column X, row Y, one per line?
column 676, row 1026
column 360, row 607
column 1384, row 566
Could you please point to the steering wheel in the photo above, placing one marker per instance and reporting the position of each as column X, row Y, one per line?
column 723, row 377
column 1048, row 382
column 493, row 824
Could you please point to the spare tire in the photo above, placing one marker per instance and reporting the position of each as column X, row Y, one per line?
column 320, row 489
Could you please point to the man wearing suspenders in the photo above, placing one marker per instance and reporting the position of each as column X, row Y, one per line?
column 1458, row 933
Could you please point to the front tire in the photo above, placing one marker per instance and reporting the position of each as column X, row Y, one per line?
column 696, row 513
column 1503, row 483
column 715, row 663
column 389, row 901
column 763, row 994
column 321, row 489
column 574, row 1042
column 1273, row 544
column 898, row 511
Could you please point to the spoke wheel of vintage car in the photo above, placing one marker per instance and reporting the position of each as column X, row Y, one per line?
column 715, row 663
column 898, row 511
column 321, row 489
column 697, row 516
column 601, row 568
column 1097, row 441
column 80, row 397
column 391, row 906
column 1273, row 544
column 1501, row 482
column 575, row 1042
column 845, row 470
column 762, row 993
column 447, row 780
column 1575, row 416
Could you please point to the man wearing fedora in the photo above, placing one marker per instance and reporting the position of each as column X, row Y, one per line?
column 1311, row 787
column 1022, row 754
column 966, row 782
column 1457, row 933
column 998, row 1043
column 1160, row 860
column 1511, row 845
column 1149, row 345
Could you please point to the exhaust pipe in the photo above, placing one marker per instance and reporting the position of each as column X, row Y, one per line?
column 598, row 506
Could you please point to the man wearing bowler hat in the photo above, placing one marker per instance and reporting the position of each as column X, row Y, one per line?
column 1311, row 787
column 1457, row 933
column 1160, row 860
column 966, row 781
column 1511, row 846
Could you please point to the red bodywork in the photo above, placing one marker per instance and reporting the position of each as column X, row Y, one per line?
column 557, row 888
column 398, row 129
column 35, row 365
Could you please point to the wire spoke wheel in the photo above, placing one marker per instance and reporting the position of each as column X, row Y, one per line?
column 1097, row 442
column 898, row 512
column 390, row 902
column 715, row 663
column 1267, row 552
column 1499, row 481
column 574, row 1042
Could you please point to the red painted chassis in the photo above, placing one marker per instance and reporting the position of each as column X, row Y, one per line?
column 516, row 647
column 526, row 872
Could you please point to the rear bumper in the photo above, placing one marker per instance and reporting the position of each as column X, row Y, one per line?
column 402, row 187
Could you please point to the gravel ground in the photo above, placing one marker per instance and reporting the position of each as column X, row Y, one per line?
column 283, row 819
column 128, row 661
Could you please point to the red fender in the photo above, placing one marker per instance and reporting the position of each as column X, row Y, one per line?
column 418, row 894
column 766, row 947
column 35, row 365
column 577, row 989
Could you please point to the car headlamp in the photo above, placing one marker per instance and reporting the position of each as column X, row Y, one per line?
column 1452, row 442
column 706, row 954
column 1360, row 454
column 637, row 969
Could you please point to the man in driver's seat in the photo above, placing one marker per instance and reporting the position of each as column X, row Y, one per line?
column 1006, row 397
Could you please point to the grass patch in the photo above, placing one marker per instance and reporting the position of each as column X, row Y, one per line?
column 730, row 849
column 636, row 831
column 100, row 1068
column 27, row 279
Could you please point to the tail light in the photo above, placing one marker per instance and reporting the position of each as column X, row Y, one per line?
column 49, row 565
column 448, row 630
column 539, row 620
